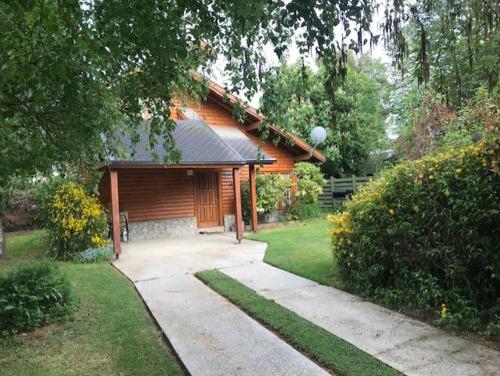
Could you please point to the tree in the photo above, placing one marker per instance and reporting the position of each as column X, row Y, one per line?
column 449, row 54
column 295, row 98
column 424, row 122
column 71, row 71
column 450, row 47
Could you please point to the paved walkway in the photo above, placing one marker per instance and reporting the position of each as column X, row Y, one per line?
column 213, row 337
column 210, row 335
column 408, row 345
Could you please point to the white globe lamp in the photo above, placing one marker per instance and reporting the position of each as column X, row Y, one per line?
column 318, row 135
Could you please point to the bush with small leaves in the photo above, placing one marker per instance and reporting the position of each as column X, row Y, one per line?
column 426, row 235
column 76, row 221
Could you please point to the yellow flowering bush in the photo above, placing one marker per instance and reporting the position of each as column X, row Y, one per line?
column 425, row 237
column 76, row 221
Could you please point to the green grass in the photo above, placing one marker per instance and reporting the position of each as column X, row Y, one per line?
column 327, row 349
column 302, row 249
column 111, row 334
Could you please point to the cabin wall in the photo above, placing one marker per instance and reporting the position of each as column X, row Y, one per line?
column 159, row 202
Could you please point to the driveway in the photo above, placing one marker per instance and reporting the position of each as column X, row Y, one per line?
column 210, row 335
column 213, row 337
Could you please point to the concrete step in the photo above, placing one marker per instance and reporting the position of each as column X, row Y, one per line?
column 211, row 230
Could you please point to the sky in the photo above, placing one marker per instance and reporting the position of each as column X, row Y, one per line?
column 378, row 52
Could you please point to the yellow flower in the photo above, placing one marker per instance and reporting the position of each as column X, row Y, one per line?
column 391, row 211
column 444, row 311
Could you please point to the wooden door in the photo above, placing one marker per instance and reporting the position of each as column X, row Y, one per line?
column 207, row 199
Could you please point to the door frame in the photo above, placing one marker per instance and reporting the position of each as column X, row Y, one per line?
column 218, row 174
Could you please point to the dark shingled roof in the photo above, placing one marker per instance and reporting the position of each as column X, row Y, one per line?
column 197, row 143
column 239, row 141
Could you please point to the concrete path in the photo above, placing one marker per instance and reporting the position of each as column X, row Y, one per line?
column 210, row 335
column 408, row 345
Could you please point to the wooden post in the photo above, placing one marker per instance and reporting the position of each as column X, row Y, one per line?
column 332, row 195
column 253, row 198
column 293, row 188
column 354, row 188
column 115, row 212
column 237, row 198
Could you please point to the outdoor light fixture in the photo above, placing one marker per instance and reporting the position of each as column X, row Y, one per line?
column 318, row 135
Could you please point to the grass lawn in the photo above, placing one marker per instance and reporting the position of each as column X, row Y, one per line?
column 327, row 349
column 303, row 249
column 111, row 334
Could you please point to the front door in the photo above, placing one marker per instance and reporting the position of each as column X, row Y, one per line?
column 207, row 199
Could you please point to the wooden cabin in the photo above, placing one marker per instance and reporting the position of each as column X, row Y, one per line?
column 202, row 190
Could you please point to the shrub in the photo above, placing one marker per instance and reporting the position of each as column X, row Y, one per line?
column 32, row 296
column 77, row 221
column 271, row 191
column 425, row 237
column 44, row 193
column 97, row 254
column 299, row 211
column 309, row 182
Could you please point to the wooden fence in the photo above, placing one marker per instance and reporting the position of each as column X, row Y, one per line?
column 337, row 190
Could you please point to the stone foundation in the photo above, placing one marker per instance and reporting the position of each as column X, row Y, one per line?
column 162, row 228
column 229, row 223
column 273, row 217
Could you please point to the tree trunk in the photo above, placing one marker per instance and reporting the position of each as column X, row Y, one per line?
column 2, row 240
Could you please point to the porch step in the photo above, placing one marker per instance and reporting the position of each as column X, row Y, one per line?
column 211, row 230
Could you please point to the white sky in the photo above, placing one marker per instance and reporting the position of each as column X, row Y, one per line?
column 378, row 52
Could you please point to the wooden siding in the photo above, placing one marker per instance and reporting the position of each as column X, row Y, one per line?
column 161, row 194
column 227, row 192
column 152, row 194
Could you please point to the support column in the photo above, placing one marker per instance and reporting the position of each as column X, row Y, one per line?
column 293, row 188
column 253, row 198
column 237, row 199
column 115, row 212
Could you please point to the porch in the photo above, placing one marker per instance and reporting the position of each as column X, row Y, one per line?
column 177, row 200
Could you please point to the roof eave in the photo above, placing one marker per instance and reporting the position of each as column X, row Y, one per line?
column 151, row 164
column 254, row 114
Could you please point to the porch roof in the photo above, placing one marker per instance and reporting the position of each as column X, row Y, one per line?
column 197, row 143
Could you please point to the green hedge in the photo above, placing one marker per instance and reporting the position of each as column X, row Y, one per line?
column 425, row 237
column 32, row 296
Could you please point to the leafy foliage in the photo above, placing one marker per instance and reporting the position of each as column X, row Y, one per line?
column 271, row 191
column 426, row 235
column 95, row 254
column 450, row 46
column 33, row 295
column 424, row 123
column 72, row 71
column 296, row 99
column 299, row 211
column 76, row 222
column 309, row 182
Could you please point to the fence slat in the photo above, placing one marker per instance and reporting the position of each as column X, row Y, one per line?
column 340, row 185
